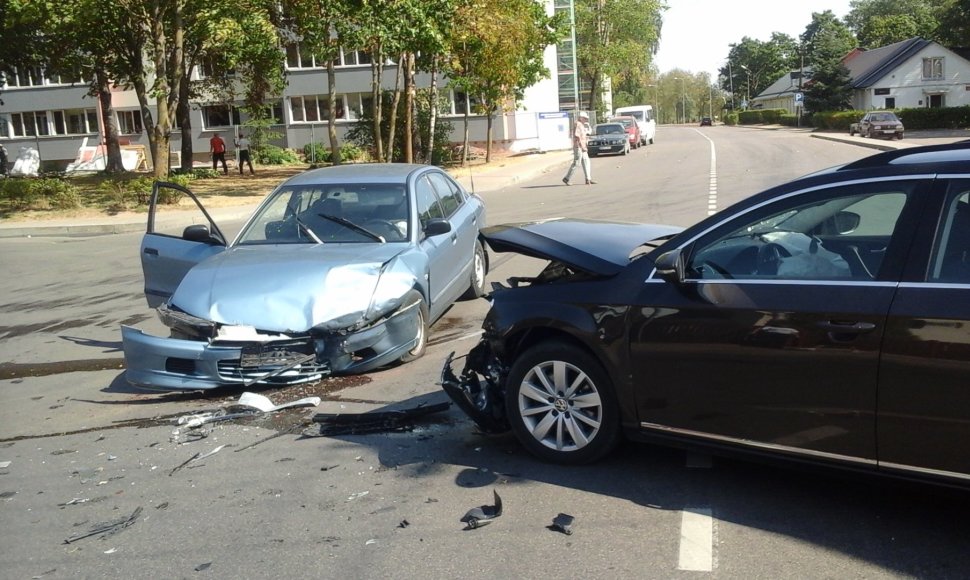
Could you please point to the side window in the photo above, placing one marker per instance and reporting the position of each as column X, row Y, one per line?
column 428, row 206
column 450, row 196
column 951, row 254
column 831, row 235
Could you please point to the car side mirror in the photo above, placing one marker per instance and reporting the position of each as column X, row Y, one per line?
column 436, row 227
column 197, row 233
column 846, row 222
column 670, row 266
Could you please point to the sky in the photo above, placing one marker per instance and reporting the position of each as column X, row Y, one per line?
column 696, row 34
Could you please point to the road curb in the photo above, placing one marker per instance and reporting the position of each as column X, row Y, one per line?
column 871, row 144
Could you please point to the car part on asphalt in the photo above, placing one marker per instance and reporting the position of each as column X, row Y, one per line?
column 107, row 529
column 563, row 523
column 375, row 421
column 482, row 515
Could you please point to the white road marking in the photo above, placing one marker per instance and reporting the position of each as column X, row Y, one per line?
column 712, row 190
column 696, row 540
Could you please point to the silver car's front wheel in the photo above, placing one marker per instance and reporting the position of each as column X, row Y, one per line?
column 561, row 404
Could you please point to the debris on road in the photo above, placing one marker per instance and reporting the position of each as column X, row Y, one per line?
column 107, row 529
column 374, row 421
column 482, row 515
column 4, row 464
column 265, row 405
column 197, row 457
column 563, row 523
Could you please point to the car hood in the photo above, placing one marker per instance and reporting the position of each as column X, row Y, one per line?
column 596, row 247
column 290, row 288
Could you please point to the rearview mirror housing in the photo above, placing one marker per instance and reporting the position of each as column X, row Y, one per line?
column 670, row 266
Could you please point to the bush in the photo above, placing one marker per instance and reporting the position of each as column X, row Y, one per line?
column 273, row 155
column 836, row 120
column 935, row 118
column 320, row 153
column 731, row 118
column 45, row 193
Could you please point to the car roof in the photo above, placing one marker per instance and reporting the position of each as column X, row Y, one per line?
column 359, row 173
column 948, row 159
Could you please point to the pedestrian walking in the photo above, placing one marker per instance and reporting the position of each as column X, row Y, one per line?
column 217, row 149
column 242, row 147
column 580, row 149
column 3, row 160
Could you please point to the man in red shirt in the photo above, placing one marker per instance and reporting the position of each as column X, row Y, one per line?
column 217, row 149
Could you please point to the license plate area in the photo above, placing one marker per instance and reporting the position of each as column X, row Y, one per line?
column 274, row 354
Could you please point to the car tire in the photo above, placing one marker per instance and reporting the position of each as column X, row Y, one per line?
column 476, row 284
column 548, row 423
column 869, row 133
column 899, row 136
column 851, row 132
column 418, row 350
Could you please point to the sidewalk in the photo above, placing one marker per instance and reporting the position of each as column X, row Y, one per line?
column 477, row 178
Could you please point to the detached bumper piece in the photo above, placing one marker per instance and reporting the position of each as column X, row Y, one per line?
column 375, row 421
column 478, row 391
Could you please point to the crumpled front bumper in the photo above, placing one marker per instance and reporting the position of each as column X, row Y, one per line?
column 480, row 389
column 176, row 364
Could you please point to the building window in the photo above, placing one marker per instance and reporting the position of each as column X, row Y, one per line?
column 129, row 122
column 461, row 101
column 880, row 91
column 35, row 77
column 30, row 124
column 314, row 108
column 890, row 102
column 354, row 58
column 75, row 122
column 936, row 101
column 215, row 116
column 933, row 68
column 298, row 56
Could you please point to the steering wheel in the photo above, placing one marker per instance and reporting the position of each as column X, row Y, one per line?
column 388, row 226
column 717, row 268
column 770, row 256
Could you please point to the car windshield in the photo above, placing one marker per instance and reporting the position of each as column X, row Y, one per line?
column 609, row 129
column 883, row 117
column 331, row 213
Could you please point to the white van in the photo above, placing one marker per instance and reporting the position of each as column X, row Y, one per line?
column 645, row 119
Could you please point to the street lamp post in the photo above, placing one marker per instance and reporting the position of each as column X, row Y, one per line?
column 731, row 78
column 656, row 99
column 747, row 86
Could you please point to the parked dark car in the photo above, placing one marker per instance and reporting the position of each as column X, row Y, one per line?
column 608, row 138
column 632, row 130
column 822, row 320
column 706, row 122
column 339, row 270
column 878, row 124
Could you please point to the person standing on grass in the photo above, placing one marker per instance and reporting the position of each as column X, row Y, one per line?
column 580, row 148
column 217, row 149
column 242, row 146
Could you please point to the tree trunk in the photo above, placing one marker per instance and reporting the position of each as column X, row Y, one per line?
column 332, row 125
column 113, row 162
column 429, row 154
column 377, row 73
column 488, row 134
column 184, row 113
column 409, row 109
column 147, row 119
column 464, row 144
column 395, row 100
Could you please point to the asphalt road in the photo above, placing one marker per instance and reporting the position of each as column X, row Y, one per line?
column 86, row 449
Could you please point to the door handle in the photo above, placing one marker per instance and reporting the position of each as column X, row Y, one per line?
column 151, row 251
column 839, row 326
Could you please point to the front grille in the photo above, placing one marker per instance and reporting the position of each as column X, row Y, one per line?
column 232, row 370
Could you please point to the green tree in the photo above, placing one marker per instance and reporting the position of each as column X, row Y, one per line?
column 753, row 65
column 880, row 22
column 830, row 88
column 954, row 23
column 825, row 38
column 615, row 39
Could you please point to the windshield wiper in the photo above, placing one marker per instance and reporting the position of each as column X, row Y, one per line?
column 353, row 226
column 306, row 229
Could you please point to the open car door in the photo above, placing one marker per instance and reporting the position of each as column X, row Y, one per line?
column 173, row 245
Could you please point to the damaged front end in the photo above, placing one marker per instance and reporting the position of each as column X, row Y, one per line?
column 201, row 354
column 480, row 389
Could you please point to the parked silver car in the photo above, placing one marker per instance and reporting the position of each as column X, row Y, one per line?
column 338, row 271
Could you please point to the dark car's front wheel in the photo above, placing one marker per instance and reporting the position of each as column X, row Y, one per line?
column 561, row 404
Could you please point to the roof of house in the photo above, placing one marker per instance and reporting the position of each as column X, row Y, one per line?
column 867, row 67
column 786, row 85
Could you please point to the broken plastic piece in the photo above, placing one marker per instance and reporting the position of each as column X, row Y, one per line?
column 196, row 457
column 482, row 515
column 477, row 391
column 265, row 405
column 374, row 421
column 563, row 523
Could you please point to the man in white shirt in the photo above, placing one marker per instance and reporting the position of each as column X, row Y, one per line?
column 242, row 146
column 580, row 149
